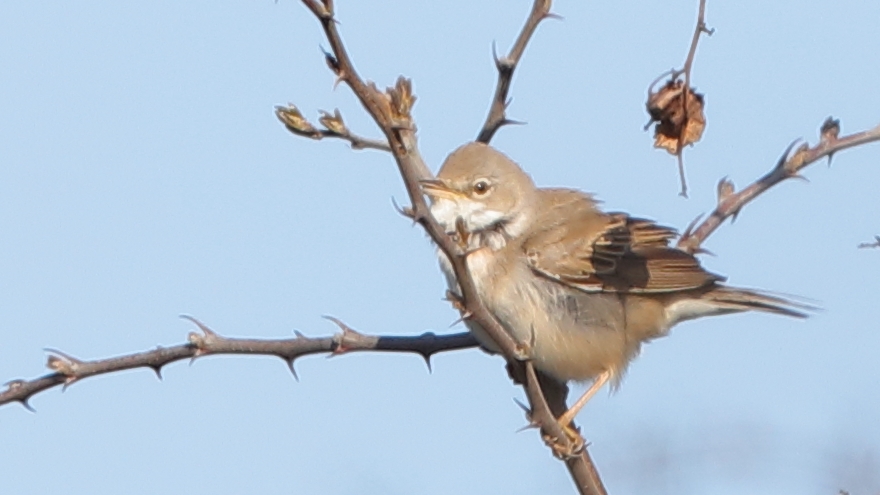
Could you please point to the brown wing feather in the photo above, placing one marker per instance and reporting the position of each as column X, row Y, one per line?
column 594, row 251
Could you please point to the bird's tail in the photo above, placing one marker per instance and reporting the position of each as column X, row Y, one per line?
column 732, row 299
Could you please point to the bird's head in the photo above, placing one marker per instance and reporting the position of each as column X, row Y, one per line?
column 484, row 188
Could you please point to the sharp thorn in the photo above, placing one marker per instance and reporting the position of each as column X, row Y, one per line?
column 405, row 211
column 64, row 355
column 506, row 121
column 27, row 405
column 522, row 406
column 427, row 357
column 551, row 15
column 204, row 328
column 68, row 383
column 342, row 326
column 784, row 158
column 158, row 371
column 289, row 362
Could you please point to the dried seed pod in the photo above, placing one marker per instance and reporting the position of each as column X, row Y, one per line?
column 678, row 125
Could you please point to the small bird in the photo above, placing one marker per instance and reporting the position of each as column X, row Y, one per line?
column 580, row 289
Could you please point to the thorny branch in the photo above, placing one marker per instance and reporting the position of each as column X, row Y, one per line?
column 68, row 369
column 506, row 65
column 391, row 112
column 788, row 167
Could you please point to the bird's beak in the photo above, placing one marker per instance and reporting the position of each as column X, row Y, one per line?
column 437, row 189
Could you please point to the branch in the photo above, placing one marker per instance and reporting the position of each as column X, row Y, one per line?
column 875, row 244
column 677, row 108
column 391, row 111
column 497, row 116
column 334, row 127
column 788, row 167
column 68, row 369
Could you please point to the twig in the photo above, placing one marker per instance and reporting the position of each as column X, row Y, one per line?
column 688, row 66
column 695, row 40
column 391, row 111
column 676, row 108
column 875, row 244
column 788, row 167
column 68, row 370
column 334, row 127
column 506, row 65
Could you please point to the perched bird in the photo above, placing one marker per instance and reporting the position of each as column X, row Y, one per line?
column 579, row 288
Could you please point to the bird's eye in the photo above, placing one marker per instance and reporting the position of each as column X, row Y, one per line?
column 481, row 187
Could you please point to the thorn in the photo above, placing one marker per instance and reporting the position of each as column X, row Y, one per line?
column 405, row 211
column 551, row 15
column 299, row 334
column 27, row 405
column 784, row 158
column 495, row 56
column 204, row 328
column 157, row 369
column 427, row 357
column 346, row 332
column 701, row 250
column 689, row 231
column 289, row 362
column 506, row 121
column 467, row 315
column 532, row 424
column 62, row 354
column 68, row 382
column 522, row 406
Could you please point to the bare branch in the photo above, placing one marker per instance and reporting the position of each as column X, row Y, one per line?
column 391, row 112
column 67, row 370
column 506, row 65
column 291, row 117
column 688, row 66
column 695, row 40
column 677, row 108
column 788, row 167
column 875, row 244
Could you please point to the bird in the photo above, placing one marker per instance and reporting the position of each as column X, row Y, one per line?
column 580, row 289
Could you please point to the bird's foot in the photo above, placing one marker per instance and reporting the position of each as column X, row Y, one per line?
column 568, row 447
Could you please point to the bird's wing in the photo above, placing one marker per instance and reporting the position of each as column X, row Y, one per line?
column 593, row 251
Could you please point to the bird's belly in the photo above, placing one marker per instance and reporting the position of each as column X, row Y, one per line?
column 571, row 335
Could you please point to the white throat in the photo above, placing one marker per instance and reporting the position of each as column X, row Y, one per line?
column 492, row 228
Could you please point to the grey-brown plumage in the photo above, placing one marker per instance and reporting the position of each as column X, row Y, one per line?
column 581, row 288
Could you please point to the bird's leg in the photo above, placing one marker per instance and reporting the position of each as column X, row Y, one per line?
column 567, row 417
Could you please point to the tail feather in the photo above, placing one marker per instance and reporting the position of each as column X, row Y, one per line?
column 721, row 300
column 731, row 299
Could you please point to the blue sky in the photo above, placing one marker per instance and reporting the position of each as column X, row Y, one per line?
column 143, row 175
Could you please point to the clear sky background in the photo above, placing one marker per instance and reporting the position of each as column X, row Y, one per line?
column 143, row 175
